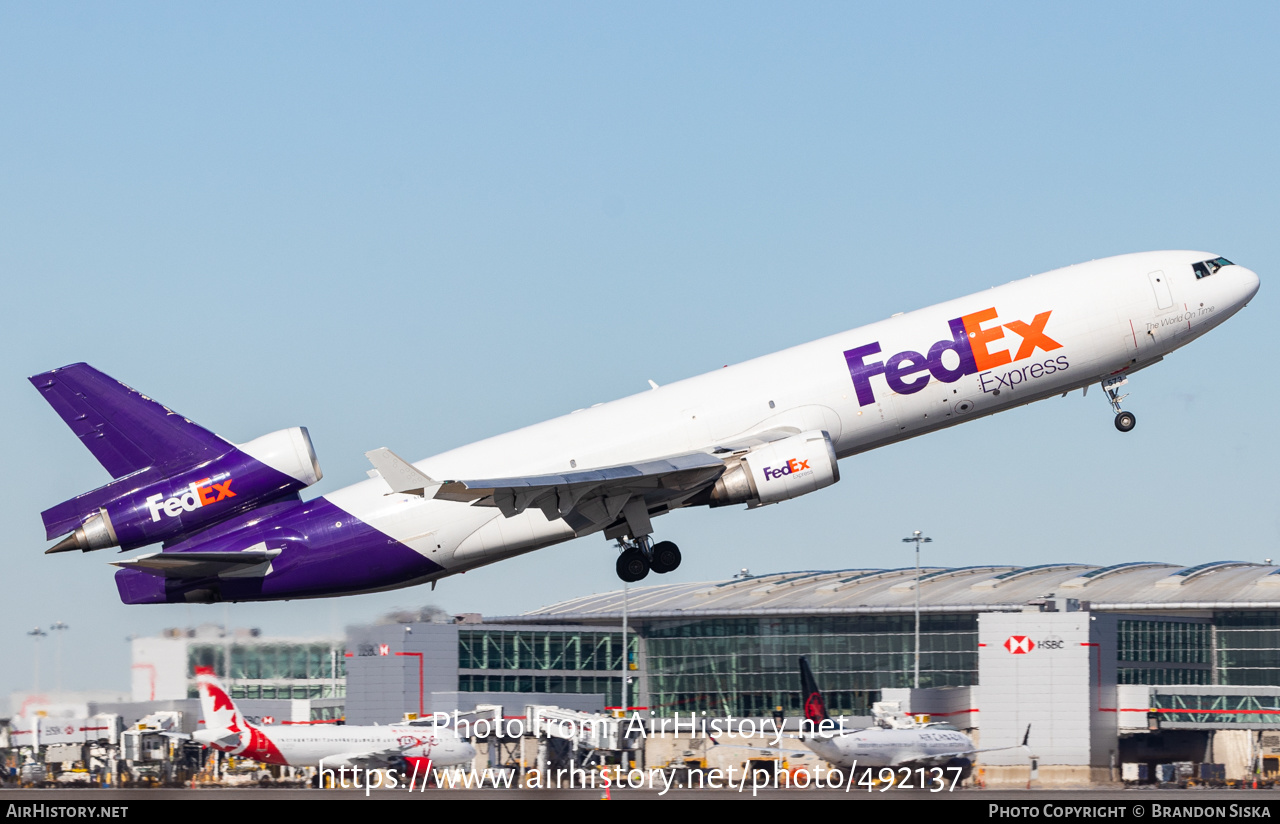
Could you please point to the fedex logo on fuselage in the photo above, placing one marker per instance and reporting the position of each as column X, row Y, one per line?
column 791, row 467
column 977, row 344
column 200, row 493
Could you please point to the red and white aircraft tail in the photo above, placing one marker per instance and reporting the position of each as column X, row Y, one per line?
column 225, row 728
column 221, row 718
column 396, row 746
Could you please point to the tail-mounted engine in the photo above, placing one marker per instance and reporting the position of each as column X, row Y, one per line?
column 155, row 504
column 779, row 471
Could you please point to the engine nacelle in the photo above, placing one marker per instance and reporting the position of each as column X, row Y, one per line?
column 779, row 471
column 156, row 505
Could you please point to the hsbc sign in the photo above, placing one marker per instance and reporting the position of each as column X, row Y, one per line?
column 1019, row 644
column 1022, row 644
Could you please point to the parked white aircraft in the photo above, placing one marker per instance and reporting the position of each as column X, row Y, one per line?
column 755, row 433
column 396, row 746
column 898, row 742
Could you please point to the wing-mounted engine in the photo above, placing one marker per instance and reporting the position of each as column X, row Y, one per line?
column 160, row 504
column 779, row 471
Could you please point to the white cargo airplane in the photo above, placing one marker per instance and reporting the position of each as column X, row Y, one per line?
column 756, row 433
column 411, row 749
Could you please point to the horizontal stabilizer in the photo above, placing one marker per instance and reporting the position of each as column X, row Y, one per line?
column 124, row 429
column 220, row 738
column 249, row 563
column 401, row 475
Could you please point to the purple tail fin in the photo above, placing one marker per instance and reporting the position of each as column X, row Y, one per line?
column 173, row 478
column 124, row 429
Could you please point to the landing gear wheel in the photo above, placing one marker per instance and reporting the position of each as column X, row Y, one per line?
column 666, row 557
column 632, row 565
column 1125, row 421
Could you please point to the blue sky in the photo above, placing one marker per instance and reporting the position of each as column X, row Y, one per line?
column 416, row 225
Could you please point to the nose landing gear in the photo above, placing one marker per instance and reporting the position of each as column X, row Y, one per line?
column 1124, row 420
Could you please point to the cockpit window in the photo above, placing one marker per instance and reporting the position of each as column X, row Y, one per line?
column 1209, row 267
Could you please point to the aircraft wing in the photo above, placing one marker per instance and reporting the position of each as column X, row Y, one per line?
column 370, row 760
column 587, row 500
column 764, row 750
column 376, row 759
column 935, row 759
column 932, row 760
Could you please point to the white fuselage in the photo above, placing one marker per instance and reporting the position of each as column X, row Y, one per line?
column 882, row 747
column 1032, row 338
column 316, row 745
column 323, row 745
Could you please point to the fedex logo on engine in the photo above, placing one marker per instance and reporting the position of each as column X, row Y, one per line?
column 200, row 493
column 976, row 344
column 791, row 467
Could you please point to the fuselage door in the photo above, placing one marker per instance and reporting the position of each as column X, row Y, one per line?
column 1160, row 285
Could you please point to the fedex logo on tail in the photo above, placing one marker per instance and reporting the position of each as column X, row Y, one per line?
column 979, row 346
column 200, row 493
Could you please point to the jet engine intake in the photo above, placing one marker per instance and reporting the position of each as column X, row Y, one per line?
column 779, row 471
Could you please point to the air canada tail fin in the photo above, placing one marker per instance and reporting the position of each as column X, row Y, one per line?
column 815, row 709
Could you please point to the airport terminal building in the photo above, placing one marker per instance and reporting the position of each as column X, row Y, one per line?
column 1139, row 661
column 1129, row 662
column 732, row 646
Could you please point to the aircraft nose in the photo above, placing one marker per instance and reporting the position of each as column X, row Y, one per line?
column 1249, row 283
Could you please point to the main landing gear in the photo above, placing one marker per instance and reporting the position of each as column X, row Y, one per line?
column 1124, row 420
column 641, row 555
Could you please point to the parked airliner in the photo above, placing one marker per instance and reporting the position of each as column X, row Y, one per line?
column 233, row 526
column 399, row 746
column 898, row 742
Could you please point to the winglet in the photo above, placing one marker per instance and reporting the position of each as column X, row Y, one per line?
column 401, row 475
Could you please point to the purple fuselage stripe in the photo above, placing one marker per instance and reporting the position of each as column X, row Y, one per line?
column 325, row 551
column 149, row 507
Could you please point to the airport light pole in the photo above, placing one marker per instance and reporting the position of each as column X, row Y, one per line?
column 626, row 672
column 917, row 538
column 57, row 659
column 37, row 634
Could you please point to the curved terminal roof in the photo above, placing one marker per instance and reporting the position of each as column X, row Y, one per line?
column 1127, row 587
